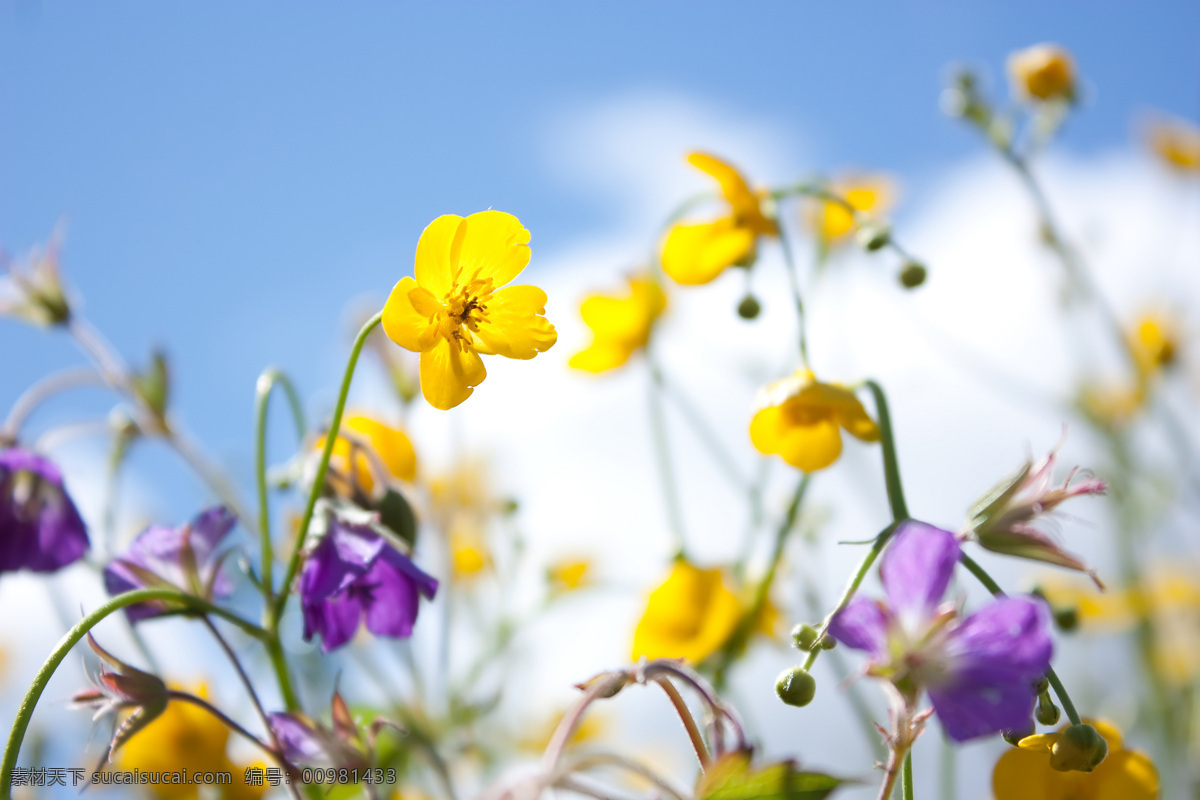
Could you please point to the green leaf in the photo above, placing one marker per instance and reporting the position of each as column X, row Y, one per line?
column 732, row 778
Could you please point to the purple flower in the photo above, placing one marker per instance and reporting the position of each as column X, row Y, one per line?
column 353, row 572
column 980, row 670
column 185, row 558
column 304, row 740
column 40, row 528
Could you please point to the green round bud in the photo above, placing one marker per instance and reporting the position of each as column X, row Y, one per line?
column 912, row 275
column 1014, row 735
column 827, row 642
column 1067, row 619
column 804, row 636
column 749, row 308
column 1042, row 685
column 873, row 236
column 1080, row 748
column 1047, row 713
column 795, row 687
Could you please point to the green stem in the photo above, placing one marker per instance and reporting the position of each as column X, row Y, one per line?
column 662, row 452
column 267, row 381
column 60, row 651
column 891, row 465
column 319, row 480
column 990, row 584
column 703, row 430
column 794, row 280
column 906, row 786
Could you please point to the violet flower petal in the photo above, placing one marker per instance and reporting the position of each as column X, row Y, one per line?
column 301, row 742
column 969, row 710
column 917, row 568
column 862, row 625
column 40, row 527
column 395, row 583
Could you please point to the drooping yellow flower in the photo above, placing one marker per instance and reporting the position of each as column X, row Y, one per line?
column 1168, row 597
column 620, row 325
column 800, row 419
column 689, row 616
column 455, row 309
column 1024, row 773
column 1154, row 343
column 187, row 737
column 392, row 446
column 569, row 574
column 694, row 253
column 1177, row 142
column 1044, row 72
column 872, row 194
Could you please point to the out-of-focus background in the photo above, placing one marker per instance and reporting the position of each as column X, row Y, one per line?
column 237, row 182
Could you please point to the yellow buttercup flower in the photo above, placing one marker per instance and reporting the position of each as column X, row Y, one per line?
column 689, row 616
column 1043, row 72
column 620, row 325
column 800, row 419
column 696, row 253
column 1154, row 342
column 468, row 556
column 873, row 194
column 569, row 574
column 455, row 309
column 391, row 445
column 187, row 737
column 1176, row 142
column 1024, row 773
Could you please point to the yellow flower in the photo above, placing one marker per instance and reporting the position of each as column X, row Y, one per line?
column 1168, row 597
column 1176, row 142
column 454, row 309
column 393, row 447
column 1043, row 72
column 1154, row 342
column 187, row 737
column 538, row 734
column 799, row 419
column 1112, row 405
column 1024, row 773
column 569, row 574
column 696, row 253
column 620, row 325
column 689, row 616
column 872, row 194
column 468, row 556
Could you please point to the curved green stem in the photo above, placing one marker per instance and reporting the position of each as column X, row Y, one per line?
column 891, row 465
column 662, row 452
column 797, row 297
column 990, row 584
column 267, row 381
column 319, row 480
column 72, row 637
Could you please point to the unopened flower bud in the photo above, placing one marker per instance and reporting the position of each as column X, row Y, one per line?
column 1080, row 748
column 1043, row 685
column 749, row 308
column 804, row 636
column 873, row 236
column 796, row 687
column 1046, row 713
column 1067, row 619
column 1014, row 735
column 912, row 275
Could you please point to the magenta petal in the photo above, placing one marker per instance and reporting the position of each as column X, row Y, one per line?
column 862, row 624
column 970, row 710
column 917, row 568
column 1006, row 640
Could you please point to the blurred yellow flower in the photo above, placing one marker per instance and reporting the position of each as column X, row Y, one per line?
column 454, row 309
column 800, row 418
column 468, row 556
column 869, row 194
column 462, row 506
column 1154, row 342
column 391, row 445
column 538, row 735
column 689, row 616
column 1177, row 142
column 187, row 737
column 1043, row 72
column 1168, row 597
column 569, row 574
column 696, row 253
column 620, row 325
column 1024, row 773
column 1112, row 405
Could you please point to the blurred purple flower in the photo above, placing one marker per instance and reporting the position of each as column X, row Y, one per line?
column 184, row 558
column 353, row 572
column 979, row 671
column 40, row 528
column 306, row 741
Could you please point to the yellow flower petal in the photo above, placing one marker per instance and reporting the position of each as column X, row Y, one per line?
column 449, row 373
column 1026, row 775
column 696, row 254
column 435, row 269
column 620, row 325
column 1042, row 72
column 811, row 447
column 490, row 246
column 1176, row 142
column 733, row 186
column 403, row 323
column 600, row 357
column 514, row 326
column 689, row 616
column 1125, row 776
column 394, row 447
